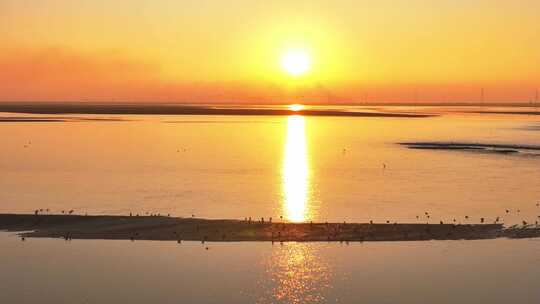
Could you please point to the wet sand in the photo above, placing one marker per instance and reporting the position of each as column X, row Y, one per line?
column 475, row 147
column 166, row 228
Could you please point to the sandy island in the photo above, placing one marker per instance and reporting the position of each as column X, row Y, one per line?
column 193, row 229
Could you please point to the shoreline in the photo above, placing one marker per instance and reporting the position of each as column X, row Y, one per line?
column 164, row 228
column 179, row 109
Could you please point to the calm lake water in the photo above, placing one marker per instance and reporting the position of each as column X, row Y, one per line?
column 55, row 271
column 301, row 168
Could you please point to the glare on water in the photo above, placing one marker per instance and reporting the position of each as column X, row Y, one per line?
column 296, row 171
column 299, row 274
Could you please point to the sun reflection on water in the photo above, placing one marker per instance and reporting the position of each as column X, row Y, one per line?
column 296, row 171
column 299, row 274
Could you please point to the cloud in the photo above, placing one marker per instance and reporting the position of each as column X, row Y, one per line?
column 60, row 74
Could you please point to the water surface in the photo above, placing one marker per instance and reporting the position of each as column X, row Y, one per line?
column 300, row 168
column 54, row 272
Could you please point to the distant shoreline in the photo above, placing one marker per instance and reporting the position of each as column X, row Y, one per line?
column 361, row 110
column 165, row 228
column 243, row 104
column 177, row 109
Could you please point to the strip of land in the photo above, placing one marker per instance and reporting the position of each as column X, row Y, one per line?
column 177, row 109
column 193, row 229
column 478, row 147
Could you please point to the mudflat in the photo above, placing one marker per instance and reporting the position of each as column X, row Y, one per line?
column 167, row 228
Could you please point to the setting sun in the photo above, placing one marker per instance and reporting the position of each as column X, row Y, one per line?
column 296, row 62
column 296, row 107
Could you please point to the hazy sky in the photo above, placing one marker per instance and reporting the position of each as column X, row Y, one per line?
column 225, row 51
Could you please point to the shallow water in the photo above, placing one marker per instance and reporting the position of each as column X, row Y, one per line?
column 55, row 271
column 301, row 168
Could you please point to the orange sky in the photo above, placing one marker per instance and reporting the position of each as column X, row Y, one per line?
column 230, row 51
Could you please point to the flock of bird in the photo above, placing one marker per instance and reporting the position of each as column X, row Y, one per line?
column 426, row 216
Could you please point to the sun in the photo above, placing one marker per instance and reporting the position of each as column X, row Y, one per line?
column 296, row 62
column 296, row 107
